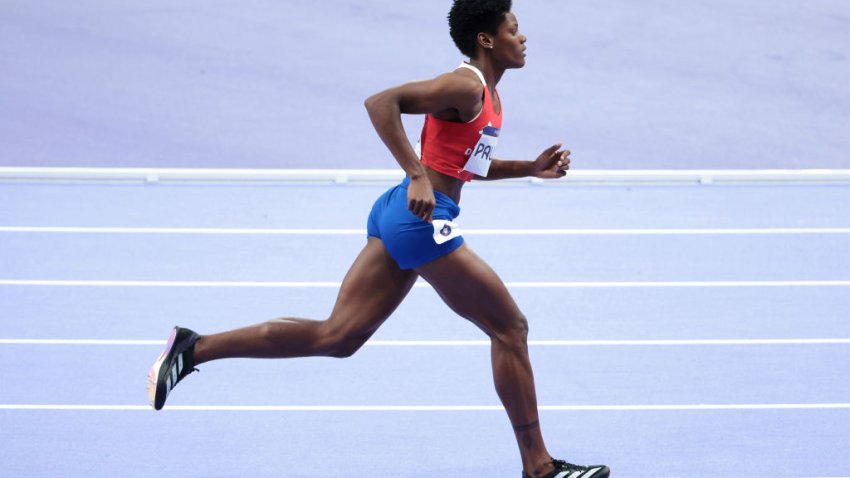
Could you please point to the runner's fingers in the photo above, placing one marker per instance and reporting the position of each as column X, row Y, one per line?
column 563, row 164
column 551, row 151
column 565, row 161
column 421, row 209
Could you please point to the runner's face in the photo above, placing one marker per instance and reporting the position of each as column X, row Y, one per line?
column 509, row 43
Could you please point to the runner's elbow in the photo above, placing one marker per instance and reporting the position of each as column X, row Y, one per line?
column 375, row 103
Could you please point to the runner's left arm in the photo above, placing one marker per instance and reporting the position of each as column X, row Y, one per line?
column 552, row 163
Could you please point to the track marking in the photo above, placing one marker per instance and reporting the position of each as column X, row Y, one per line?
column 482, row 343
column 422, row 284
column 478, row 232
column 430, row 408
column 179, row 230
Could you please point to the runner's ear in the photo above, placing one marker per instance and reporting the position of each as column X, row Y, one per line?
column 485, row 40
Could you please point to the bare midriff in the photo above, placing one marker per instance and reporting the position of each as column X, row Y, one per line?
column 445, row 184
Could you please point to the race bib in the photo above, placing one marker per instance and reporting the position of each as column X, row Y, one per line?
column 479, row 159
column 445, row 231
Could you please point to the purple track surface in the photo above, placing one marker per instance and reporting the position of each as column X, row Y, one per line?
column 691, row 275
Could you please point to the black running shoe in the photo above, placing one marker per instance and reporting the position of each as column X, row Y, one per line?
column 175, row 362
column 568, row 470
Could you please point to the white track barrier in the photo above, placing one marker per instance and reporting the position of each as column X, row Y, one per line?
column 342, row 176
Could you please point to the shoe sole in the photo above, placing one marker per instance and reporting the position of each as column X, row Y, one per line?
column 158, row 377
column 602, row 471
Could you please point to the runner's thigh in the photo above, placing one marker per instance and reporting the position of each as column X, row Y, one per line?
column 372, row 289
column 474, row 291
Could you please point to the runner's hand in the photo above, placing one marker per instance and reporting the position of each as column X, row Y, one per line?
column 420, row 198
column 551, row 164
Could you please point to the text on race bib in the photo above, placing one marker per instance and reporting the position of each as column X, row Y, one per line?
column 480, row 156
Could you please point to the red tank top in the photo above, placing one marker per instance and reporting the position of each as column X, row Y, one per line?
column 446, row 146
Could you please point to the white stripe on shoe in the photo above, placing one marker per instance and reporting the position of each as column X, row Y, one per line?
column 592, row 472
column 174, row 376
column 578, row 473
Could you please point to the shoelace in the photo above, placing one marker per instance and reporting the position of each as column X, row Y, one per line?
column 563, row 465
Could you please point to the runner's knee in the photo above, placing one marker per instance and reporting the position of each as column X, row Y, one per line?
column 514, row 334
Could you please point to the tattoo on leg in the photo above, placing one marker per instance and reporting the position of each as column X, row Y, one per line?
column 527, row 426
column 527, row 438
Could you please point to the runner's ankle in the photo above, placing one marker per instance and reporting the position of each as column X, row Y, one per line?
column 542, row 469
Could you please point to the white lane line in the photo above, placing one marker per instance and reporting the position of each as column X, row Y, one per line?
column 431, row 408
column 479, row 232
column 421, row 284
column 482, row 343
column 80, row 342
column 611, row 343
column 178, row 230
column 658, row 232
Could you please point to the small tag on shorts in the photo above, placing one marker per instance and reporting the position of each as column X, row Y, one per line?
column 445, row 231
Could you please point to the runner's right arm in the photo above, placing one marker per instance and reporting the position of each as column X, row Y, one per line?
column 448, row 94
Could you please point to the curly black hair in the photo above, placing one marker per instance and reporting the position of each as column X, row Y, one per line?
column 468, row 18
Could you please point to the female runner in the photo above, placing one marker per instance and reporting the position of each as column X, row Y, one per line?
column 411, row 234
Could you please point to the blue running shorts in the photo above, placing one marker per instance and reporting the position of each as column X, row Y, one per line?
column 409, row 239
